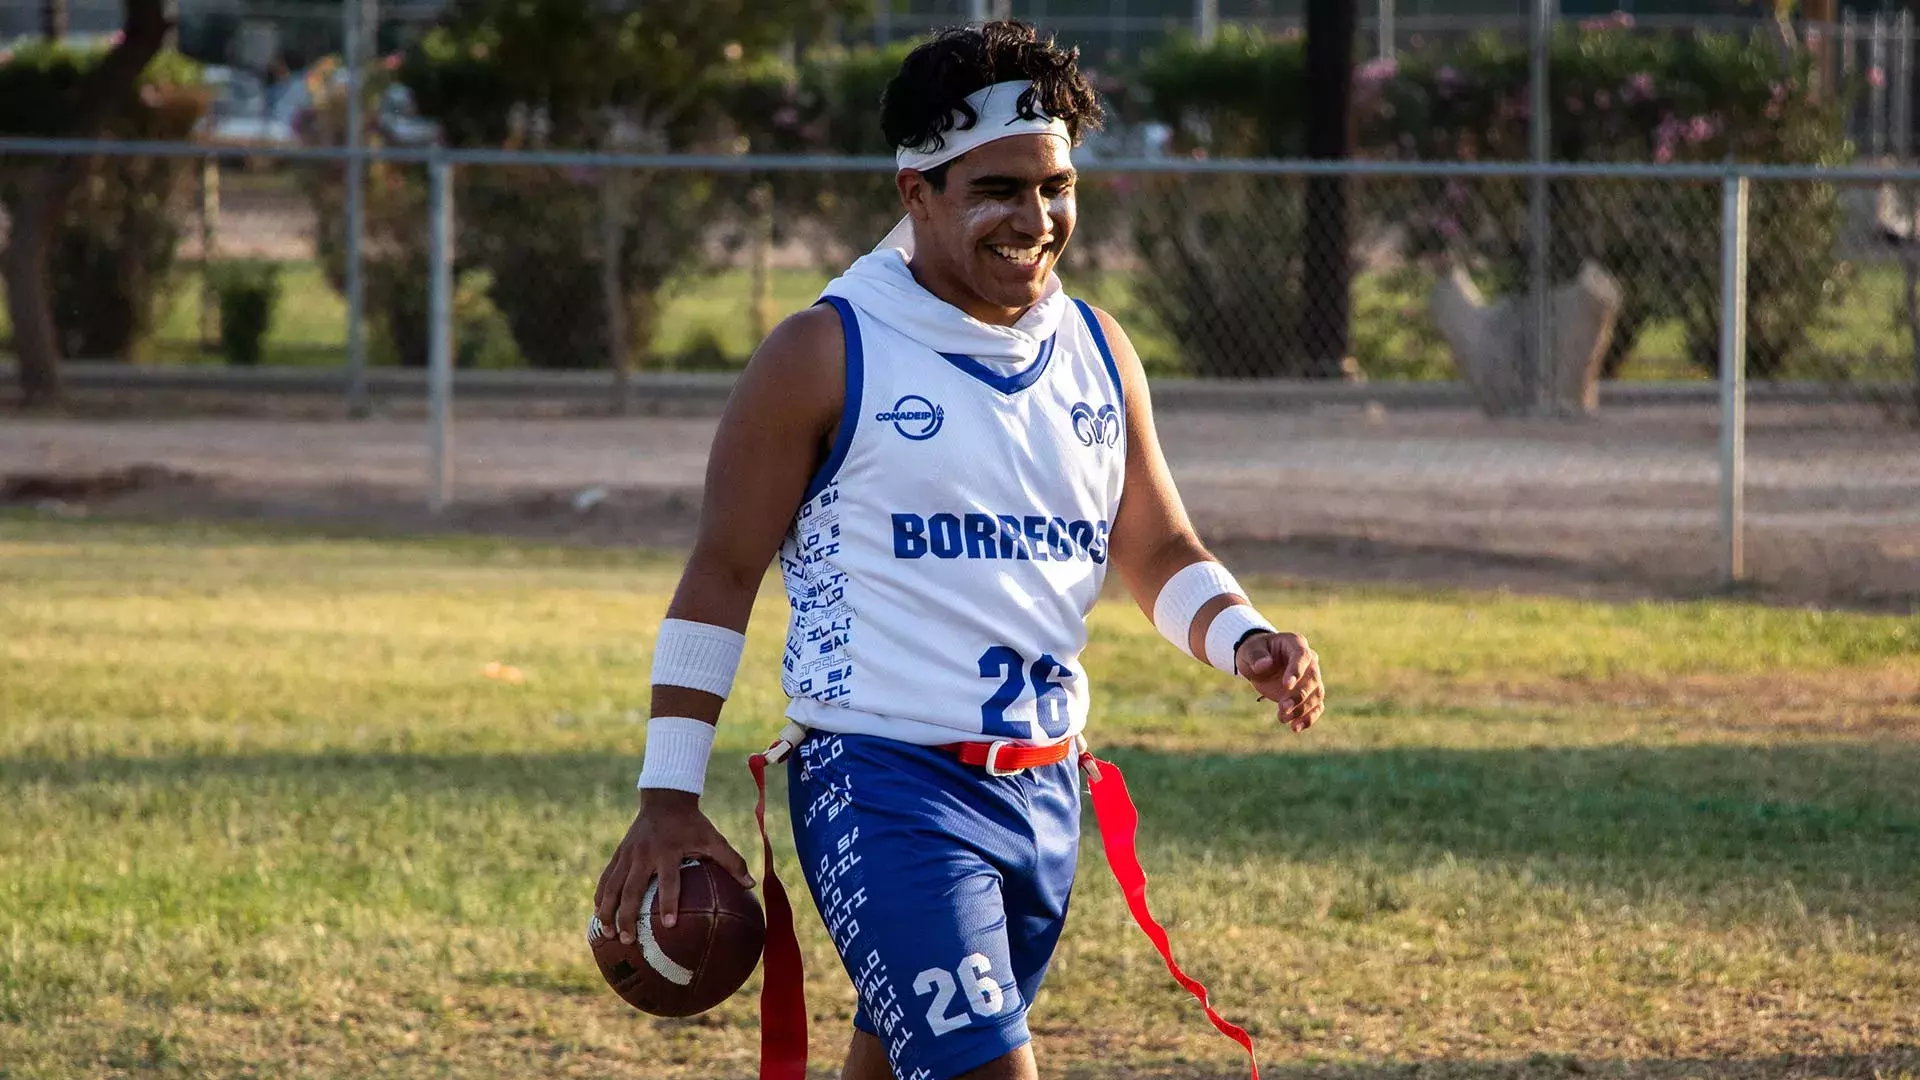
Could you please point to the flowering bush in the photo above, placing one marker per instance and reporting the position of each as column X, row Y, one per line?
column 1617, row 96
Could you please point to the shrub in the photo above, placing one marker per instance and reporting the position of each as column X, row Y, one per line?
column 1619, row 96
column 828, row 104
column 580, row 75
column 248, row 294
column 1228, row 292
column 113, row 255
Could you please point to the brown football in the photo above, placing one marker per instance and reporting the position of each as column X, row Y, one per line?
column 696, row 963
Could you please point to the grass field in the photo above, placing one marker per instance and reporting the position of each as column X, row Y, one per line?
column 265, row 816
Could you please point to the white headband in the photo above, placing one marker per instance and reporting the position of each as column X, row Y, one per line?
column 998, row 108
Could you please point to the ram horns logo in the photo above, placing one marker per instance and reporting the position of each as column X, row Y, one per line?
column 1096, row 428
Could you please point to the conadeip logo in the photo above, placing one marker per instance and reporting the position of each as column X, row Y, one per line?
column 915, row 417
column 1101, row 428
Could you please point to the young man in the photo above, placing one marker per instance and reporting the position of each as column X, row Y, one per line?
column 946, row 454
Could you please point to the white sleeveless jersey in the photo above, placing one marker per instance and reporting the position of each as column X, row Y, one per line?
column 949, row 550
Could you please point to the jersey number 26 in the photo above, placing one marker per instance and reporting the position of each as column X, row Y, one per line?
column 1004, row 662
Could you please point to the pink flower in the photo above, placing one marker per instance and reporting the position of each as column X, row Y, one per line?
column 1456, row 191
column 1377, row 70
column 1638, row 88
column 1772, row 111
column 1663, row 154
column 1623, row 20
column 1574, row 105
column 1199, row 153
column 1814, row 35
column 150, row 95
column 1602, row 100
column 1699, row 129
column 1449, row 81
column 114, row 39
column 392, row 62
column 6, row 56
column 1779, row 92
column 1450, row 228
column 1877, row 77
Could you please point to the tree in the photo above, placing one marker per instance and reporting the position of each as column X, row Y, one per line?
column 99, row 96
column 581, row 74
column 1327, row 310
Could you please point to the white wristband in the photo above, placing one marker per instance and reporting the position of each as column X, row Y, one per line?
column 698, row 656
column 1184, row 594
column 677, row 751
column 1225, row 632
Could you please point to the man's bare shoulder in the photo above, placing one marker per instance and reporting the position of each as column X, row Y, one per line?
column 805, row 344
column 800, row 369
column 1124, row 356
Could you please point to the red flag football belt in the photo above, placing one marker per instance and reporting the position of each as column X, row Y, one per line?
column 1004, row 758
column 783, row 994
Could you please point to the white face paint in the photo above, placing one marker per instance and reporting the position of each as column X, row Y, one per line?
column 984, row 218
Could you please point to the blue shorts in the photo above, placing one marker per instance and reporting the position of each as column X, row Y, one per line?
column 944, row 890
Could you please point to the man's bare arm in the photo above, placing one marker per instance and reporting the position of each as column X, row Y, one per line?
column 1152, row 537
column 1153, row 540
column 772, row 434
column 772, row 437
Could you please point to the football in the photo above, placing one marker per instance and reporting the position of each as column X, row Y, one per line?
column 696, row 963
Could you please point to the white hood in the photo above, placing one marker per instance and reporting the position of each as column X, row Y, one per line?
column 880, row 284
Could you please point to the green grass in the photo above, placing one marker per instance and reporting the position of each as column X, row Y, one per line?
column 265, row 816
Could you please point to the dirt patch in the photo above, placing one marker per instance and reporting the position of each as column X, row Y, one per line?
column 1877, row 702
column 1622, row 506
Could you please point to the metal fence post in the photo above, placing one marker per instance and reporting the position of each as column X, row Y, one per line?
column 1385, row 31
column 1902, row 85
column 440, row 335
column 1877, row 87
column 1733, row 378
column 613, row 293
column 1849, row 36
column 209, row 240
column 1539, row 276
column 1206, row 20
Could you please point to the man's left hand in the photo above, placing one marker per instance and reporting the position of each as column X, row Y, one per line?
column 1287, row 672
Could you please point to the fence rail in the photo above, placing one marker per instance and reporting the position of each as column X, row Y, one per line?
column 775, row 163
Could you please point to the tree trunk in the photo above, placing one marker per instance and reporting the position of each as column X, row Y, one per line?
column 1326, row 313
column 53, row 19
column 96, row 99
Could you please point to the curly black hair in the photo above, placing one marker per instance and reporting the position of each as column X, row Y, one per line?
column 934, row 80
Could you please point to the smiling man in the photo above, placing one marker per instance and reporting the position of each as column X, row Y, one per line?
column 945, row 454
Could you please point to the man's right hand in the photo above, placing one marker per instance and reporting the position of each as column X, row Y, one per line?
column 668, row 828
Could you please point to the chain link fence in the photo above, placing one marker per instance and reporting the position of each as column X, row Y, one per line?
column 1343, row 357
